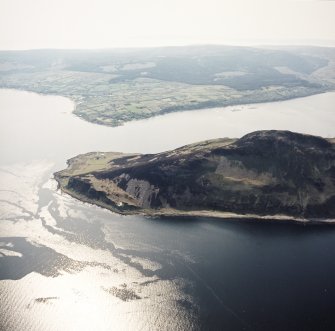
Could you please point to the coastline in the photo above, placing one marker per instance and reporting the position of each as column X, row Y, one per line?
column 164, row 112
column 169, row 212
column 119, row 190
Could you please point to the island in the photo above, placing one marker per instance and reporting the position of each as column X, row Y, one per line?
column 271, row 175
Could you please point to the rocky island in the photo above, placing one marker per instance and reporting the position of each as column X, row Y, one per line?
column 263, row 175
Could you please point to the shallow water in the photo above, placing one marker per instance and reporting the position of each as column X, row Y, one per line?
column 66, row 265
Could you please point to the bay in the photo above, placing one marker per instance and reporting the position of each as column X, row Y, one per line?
column 67, row 265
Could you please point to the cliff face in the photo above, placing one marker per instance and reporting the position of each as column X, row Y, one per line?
column 263, row 173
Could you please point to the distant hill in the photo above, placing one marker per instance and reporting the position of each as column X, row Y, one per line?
column 263, row 173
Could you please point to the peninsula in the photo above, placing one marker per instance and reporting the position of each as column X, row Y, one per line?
column 263, row 175
column 111, row 87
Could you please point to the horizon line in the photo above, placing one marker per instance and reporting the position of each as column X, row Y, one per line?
column 109, row 48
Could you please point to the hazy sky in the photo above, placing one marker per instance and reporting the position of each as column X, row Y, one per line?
column 121, row 23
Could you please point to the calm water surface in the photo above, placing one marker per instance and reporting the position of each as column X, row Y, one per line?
column 66, row 265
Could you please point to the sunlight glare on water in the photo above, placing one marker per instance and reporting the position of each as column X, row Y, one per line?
column 68, row 265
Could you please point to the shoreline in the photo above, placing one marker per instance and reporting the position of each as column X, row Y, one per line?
column 169, row 212
column 186, row 109
column 165, row 113
column 126, row 183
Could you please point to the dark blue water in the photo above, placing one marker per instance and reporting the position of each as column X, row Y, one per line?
column 240, row 275
column 250, row 275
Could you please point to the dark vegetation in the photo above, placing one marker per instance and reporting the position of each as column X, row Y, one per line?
column 264, row 173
